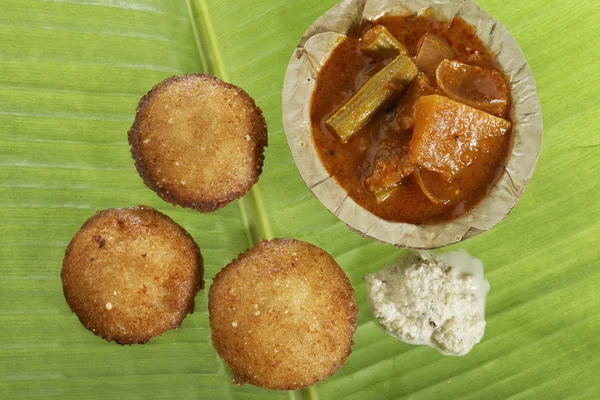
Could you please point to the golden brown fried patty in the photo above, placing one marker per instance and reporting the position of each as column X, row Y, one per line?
column 131, row 273
column 282, row 315
column 198, row 142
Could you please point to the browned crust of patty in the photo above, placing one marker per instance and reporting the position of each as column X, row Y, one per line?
column 282, row 315
column 142, row 263
column 257, row 133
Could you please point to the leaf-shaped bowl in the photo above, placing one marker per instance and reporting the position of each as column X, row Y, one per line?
column 312, row 52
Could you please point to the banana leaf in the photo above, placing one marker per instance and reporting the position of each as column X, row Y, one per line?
column 71, row 74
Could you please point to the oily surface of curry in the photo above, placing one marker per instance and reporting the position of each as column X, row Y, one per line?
column 353, row 162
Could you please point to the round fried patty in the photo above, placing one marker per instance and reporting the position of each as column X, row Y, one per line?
column 131, row 273
column 198, row 142
column 282, row 315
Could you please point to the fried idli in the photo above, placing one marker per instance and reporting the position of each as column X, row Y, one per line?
column 282, row 315
column 198, row 142
column 130, row 274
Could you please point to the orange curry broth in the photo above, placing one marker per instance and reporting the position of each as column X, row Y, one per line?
column 351, row 163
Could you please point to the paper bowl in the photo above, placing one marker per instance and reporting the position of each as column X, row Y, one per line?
column 314, row 49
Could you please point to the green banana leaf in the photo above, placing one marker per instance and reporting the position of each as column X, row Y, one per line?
column 71, row 74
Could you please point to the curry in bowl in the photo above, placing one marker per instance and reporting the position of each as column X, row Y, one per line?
column 411, row 118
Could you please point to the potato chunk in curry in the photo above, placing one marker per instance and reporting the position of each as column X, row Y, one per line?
column 448, row 136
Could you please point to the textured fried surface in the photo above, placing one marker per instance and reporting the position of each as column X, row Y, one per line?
column 198, row 142
column 282, row 315
column 130, row 274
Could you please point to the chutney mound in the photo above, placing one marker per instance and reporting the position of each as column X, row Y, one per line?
column 130, row 274
column 198, row 142
column 282, row 315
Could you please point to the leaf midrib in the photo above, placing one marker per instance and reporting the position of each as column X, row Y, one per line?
column 254, row 216
column 252, row 209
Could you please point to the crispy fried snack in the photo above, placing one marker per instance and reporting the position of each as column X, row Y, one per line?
column 198, row 142
column 282, row 315
column 130, row 274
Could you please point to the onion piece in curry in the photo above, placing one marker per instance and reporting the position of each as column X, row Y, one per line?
column 401, row 118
